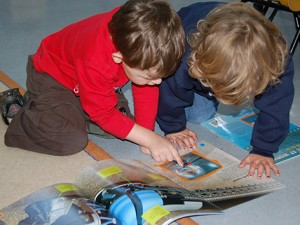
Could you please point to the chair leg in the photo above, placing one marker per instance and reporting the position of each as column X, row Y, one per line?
column 295, row 42
column 271, row 17
column 297, row 19
column 296, row 39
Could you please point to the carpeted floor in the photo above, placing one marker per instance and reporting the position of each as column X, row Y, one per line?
column 24, row 23
column 24, row 172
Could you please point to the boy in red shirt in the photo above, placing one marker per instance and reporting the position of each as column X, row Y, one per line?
column 76, row 73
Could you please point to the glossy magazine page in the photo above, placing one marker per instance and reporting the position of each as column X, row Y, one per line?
column 237, row 129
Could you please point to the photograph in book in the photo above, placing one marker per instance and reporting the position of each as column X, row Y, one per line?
column 195, row 167
column 237, row 129
column 139, row 192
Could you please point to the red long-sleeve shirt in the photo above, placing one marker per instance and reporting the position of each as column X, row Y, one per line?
column 80, row 58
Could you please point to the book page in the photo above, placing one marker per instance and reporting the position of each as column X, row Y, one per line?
column 209, row 171
column 116, row 190
column 57, row 204
column 209, row 175
column 111, row 173
column 225, row 176
column 237, row 129
column 127, row 187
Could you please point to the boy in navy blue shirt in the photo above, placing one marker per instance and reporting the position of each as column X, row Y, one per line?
column 234, row 56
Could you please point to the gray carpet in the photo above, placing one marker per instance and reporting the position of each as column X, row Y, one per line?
column 23, row 172
column 24, row 23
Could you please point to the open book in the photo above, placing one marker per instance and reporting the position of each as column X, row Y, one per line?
column 130, row 192
column 238, row 130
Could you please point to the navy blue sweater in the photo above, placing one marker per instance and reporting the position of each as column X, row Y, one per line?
column 177, row 93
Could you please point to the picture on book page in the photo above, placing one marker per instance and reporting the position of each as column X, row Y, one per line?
column 195, row 167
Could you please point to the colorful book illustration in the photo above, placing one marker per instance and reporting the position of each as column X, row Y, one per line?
column 196, row 167
column 131, row 192
column 238, row 130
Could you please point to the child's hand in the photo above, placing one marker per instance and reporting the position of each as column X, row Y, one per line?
column 163, row 150
column 261, row 164
column 145, row 150
column 160, row 148
column 184, row 139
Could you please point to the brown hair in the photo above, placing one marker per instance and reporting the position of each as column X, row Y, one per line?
column 237, row 53
column 148, row 33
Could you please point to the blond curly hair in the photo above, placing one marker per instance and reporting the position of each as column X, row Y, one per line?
column 237, row 53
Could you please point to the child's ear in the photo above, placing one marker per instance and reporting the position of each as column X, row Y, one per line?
column 117, row 57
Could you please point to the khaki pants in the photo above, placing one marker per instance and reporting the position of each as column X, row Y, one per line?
column 53, row 122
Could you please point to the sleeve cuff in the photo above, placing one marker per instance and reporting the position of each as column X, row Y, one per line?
column 261, row 152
